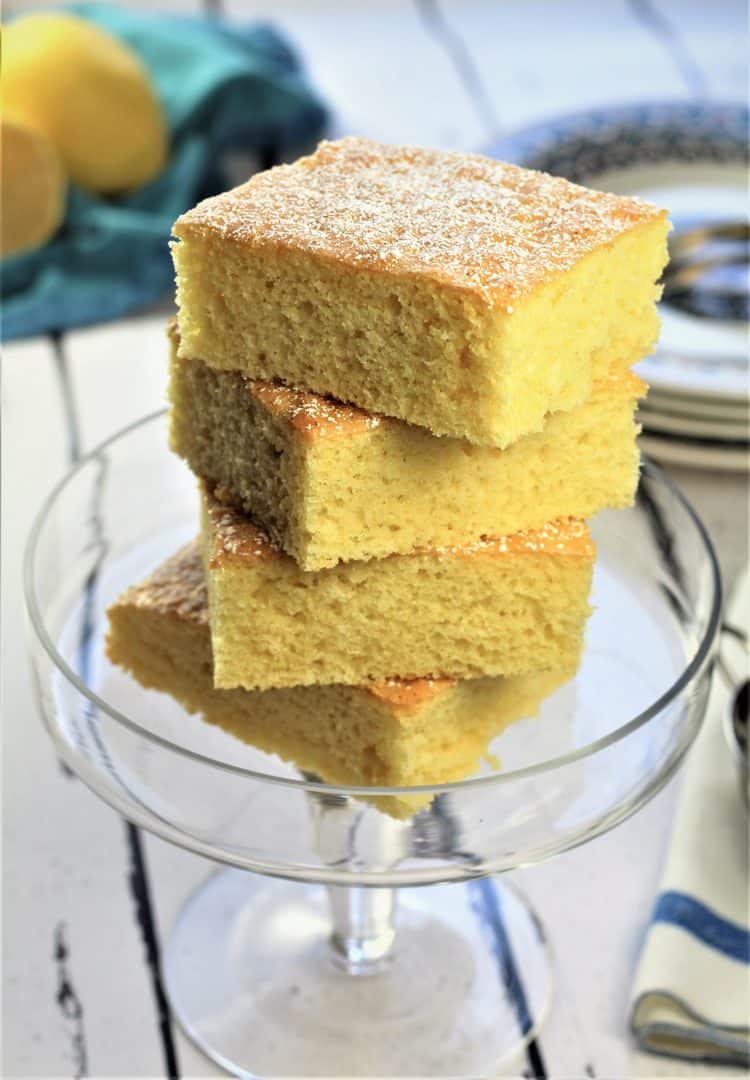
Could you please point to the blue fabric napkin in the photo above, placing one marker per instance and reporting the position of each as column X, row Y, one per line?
column 692, row 991
column 222, row 87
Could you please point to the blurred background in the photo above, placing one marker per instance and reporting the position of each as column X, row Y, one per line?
column 118, row 117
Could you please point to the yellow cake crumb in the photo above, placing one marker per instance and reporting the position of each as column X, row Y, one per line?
column 329, row 482
column 449, row 290
column 498, row 606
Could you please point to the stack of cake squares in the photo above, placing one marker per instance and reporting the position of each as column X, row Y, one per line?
column 403, row 380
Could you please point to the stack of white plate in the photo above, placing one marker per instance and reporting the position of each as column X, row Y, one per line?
column 692, row 159
column 698, row 408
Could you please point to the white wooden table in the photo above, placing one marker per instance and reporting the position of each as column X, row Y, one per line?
column 80, row 995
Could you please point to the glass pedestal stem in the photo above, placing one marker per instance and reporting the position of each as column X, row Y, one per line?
column 363, row 918
column 363, row 928
column 270, row 977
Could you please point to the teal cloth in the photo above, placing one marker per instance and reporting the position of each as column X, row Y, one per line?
column 222, row 87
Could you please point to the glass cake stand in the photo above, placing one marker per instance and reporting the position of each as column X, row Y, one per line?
column 326, row 960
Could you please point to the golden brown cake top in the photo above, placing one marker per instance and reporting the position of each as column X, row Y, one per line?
column 460, row 219
column 409, row 694
column 177, row 587
column 236, row 539
column 566, row 536
column 313, row 416
column 316, row 416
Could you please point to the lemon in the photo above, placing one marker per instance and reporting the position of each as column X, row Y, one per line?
column 32, row 188
column 90, row 94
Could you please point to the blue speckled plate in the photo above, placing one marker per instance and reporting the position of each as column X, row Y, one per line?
column 691, row 158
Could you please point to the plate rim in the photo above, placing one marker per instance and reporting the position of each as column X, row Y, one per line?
column 648, row 112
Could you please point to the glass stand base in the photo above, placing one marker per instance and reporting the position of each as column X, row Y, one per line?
column 255, row 983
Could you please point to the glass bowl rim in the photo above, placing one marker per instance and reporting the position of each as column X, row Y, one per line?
column 693, row 668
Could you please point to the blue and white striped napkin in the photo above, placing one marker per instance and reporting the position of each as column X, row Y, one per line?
column 692, row 990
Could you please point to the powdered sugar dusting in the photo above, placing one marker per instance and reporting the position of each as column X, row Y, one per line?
column 461, row 219
column 233, row 534
column 565, row 536
column 313, row 415
column 176, row 587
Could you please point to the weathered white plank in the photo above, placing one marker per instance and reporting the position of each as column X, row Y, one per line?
column 175, row 874
column 716, row 36
column 29, row 378
column 381, row 74
column 541, row 58
column 63, row 853
column 28, row 388
column 118, row 373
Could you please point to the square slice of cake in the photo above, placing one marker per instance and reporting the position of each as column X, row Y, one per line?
column 501, row 606
column 449, row 290
column 329, row 482
column 392, row 733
